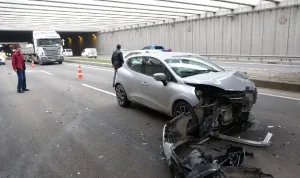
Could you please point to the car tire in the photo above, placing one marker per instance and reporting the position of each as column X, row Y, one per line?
column 59, row 62
column 184, row 107
column 122, row 96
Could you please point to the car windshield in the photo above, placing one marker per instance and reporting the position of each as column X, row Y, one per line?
column 202, row 59
column 45, row 42
column 185, row 67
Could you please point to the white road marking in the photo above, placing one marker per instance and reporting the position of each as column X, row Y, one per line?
column 278, row 96
column 103, row 91
column 45, row 72
column 91, row 67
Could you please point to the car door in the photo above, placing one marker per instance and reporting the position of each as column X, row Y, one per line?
column 155, row 94
column 131, row 79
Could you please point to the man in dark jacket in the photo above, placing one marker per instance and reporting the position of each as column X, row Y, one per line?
column 117, row 61
column 18, row 64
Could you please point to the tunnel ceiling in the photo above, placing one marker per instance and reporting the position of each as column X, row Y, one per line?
column 97, row 15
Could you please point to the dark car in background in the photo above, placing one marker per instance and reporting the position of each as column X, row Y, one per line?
column 154, row 47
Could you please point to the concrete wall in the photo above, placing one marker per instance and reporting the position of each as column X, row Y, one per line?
column 266, row 32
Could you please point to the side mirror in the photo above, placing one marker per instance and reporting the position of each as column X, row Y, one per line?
column 160, row 77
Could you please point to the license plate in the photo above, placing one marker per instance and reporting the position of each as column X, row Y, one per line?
column 52, row 60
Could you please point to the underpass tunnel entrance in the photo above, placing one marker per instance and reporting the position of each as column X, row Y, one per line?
column 76, row 41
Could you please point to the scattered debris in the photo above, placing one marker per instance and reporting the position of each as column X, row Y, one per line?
column 113, row 133
column 189, row 160
column 270, row 126
column 60, row 122
column 163, row 158
column 100, row 157
column 287, row 143
column 101, row 123
column 36, row 154
column 279, row 126
column 293, row 134
column 144, row 143
column 78, row 173
column 57, row 146
column 275, row 155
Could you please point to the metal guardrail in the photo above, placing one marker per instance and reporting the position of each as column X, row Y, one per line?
column 252, row 57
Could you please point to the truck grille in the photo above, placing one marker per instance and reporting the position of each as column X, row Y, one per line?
column 52, row 52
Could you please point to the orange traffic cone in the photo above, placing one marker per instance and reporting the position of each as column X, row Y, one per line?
column 32, row 65
column 80, row 75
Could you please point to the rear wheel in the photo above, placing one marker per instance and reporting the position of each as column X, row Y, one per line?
column 187, row 109
column 121, row 96
column 59, row 62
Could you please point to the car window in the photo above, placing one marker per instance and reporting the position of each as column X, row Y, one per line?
column 153, row 66
column 159, row 47
column 136, row 64
column 147, row 47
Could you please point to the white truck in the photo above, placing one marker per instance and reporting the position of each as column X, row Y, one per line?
column 47, row 47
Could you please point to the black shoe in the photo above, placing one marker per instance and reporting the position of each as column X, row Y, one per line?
column 20, row 91
column 26, row 89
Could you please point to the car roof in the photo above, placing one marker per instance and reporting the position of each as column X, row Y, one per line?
column 165, row 55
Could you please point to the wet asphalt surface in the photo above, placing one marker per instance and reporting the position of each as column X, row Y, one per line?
column 61, row 128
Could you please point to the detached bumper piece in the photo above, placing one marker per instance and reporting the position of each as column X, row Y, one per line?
column 187, row 161
column 265, row 143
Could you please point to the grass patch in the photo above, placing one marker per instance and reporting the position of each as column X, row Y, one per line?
column 88, row 59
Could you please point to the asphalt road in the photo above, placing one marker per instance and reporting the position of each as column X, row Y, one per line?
column 65, row 127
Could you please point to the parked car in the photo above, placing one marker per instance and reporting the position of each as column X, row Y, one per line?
column 89, row 52
column 154, row 47
column 68, row 52
column 172, row 84
column 2, row 58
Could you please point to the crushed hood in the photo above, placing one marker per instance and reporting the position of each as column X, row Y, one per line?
column 227, row 80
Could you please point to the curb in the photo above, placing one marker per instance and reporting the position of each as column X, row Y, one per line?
column 258, row 83
column 277, row 85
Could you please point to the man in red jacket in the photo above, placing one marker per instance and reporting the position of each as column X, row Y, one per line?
column 18, row 64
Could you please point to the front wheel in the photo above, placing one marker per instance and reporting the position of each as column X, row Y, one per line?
column 59, row 62
column 187, row 109
column 121, row 96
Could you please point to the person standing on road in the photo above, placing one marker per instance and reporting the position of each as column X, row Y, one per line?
column 117, row 61
column 19, row 67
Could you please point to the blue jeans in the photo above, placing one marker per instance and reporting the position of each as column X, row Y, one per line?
column 21, row 80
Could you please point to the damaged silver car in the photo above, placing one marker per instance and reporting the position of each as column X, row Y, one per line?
column 174, row 83
column 189, row 160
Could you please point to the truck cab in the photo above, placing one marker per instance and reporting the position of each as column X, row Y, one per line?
column 48, row 47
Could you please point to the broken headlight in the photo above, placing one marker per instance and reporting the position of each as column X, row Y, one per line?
column 198, row 94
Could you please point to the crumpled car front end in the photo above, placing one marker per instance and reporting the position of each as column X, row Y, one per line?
column 187, row 160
